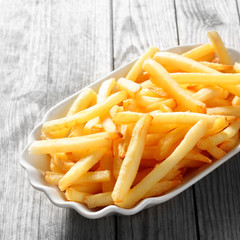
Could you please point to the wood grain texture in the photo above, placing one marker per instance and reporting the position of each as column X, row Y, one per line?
column 136, row 26
column 48, row 51
column 217, row 195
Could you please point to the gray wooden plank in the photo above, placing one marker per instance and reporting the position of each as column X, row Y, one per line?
column 137, row 25
column 217, row 195
column 48, row 50
column 79, row 54
column 23, row 81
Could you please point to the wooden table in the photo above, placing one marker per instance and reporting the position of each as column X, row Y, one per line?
column 51, row 49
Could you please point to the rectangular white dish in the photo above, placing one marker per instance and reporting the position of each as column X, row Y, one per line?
column 36, row 165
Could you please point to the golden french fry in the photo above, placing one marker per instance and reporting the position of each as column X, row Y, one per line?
column 140, row 190
column 63, row 145
column 99, row 200
column 208, row 58
column 217, row 66
column 132, row 159
column 106, row 163
column 216, row 152
column 207, row 79
column 80, row 168
column 108, row 123
column 117, row 161
column 86, row 97
column 105, row 89
column 166, row 143
column 227, row 110
column 148, row 84
column 85, row 115
column 236, row 67
column 153, row 139
column 205, row 94
column 196, row 156
column 54, row 167
column 129, row 86
column 129, row 105
column 92, row 188
column 137, row 67
column 149, row 152
column 199, row 52
column 219, row 47
column 76, row 196
column 171, row 175
column 77, row 131
column 216, row 102
column 230, row 143
column 181, row 62
column 161, row 187
column 162, row 78
column 53, row 177
column 236, row 101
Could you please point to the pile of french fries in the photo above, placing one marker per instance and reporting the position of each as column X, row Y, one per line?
column 140, row 135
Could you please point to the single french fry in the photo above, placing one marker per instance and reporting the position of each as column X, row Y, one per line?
column 230, row 143
column 106, row 163
column 53, row 177
column 186, row 118
column 220, row 137
column 199, row 52
column 153, row 139
column 161, row 187
column 105, row 89
column 141, row 189
column 80, row 168
column 86, row 97
column 127, row 139
column 117, row 161
column 92, row 188
column 68, row 145
column 236, row 101
column 171, row 175
column 181, row 62
column 149, row 152
column 99, row 200
column 129, row 86
column 77, row 131
column 147, row 84
column 159, row 91
column 162, row 78
column 205, row 94
column 166, row 143
column 207, row 58
column 217, row 66
column 161, row 128
column 76, row 196
column 108, row 123
column 132, row 159
column 137, row 67
column 196, row 156
column 236, row 67
column 227, row 110
column 85, row 115
column 129, row 105
column 207, row 79
column 216, row 102
column 216, row 152
column 219, row 47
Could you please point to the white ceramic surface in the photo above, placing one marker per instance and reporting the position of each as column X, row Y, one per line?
column 36, row 165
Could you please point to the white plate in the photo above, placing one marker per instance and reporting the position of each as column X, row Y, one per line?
column 36, row 165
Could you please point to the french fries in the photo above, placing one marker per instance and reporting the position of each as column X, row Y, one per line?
column 141, row 135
